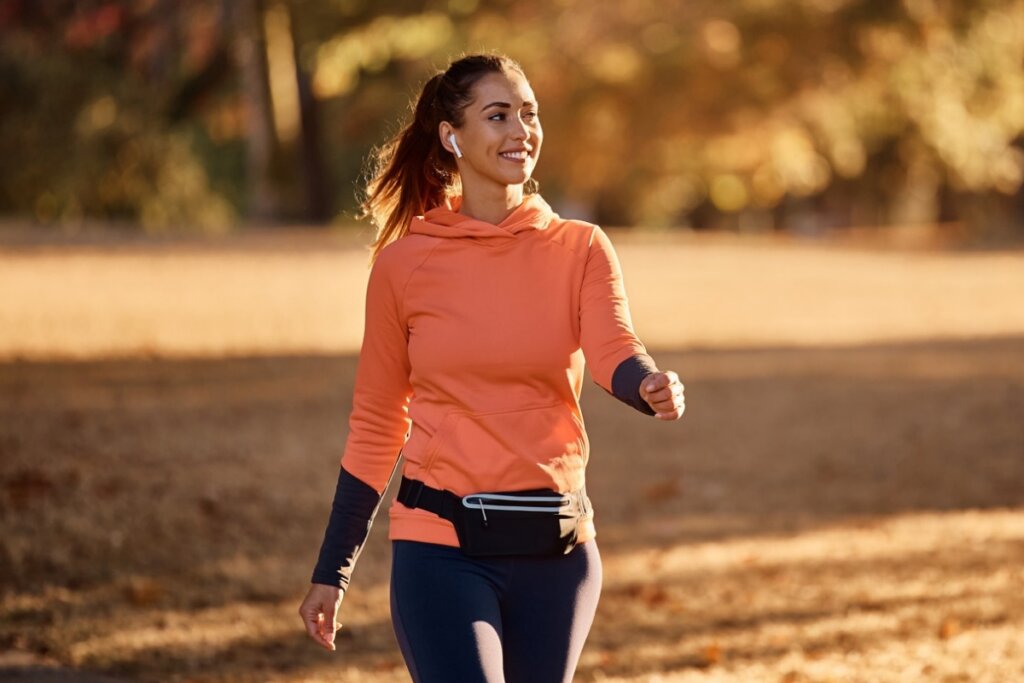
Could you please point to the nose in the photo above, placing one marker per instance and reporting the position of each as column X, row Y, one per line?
column 520, row 131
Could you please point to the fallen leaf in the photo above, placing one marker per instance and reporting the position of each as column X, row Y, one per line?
column 663, row 490
column 711, row 654
column 950, row 627
column 143, row 591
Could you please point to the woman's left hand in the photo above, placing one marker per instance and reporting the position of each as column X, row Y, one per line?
column 664, row 393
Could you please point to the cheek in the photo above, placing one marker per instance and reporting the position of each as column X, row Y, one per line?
column 489, row 139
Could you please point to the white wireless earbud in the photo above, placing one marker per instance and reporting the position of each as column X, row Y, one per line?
column 451, row 139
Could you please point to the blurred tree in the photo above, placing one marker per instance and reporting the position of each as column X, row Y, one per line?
column 748, row 115
column 318, row 198
column 261, row 137
column 695, row 112
column 84, row 124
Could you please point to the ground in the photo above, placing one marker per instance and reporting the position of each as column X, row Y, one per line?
column 843, row 500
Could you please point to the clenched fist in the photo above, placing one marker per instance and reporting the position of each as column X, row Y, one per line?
column 664, row 393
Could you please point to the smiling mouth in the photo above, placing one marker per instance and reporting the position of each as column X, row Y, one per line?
column 518, row 155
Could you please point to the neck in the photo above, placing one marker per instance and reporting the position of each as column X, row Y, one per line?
column 491, row 204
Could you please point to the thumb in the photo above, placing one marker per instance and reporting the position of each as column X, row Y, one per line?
column 654, row 381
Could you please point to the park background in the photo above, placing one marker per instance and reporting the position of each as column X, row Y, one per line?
column 819, row 209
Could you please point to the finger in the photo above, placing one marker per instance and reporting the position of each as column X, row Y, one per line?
column 667, row 379
column 321, row 627
column 331, row 624
column 315, row 628
column 654, row 381
column 665, row 400
column 658, row 404
column 663, row 393
column 670, row 410
column 326, row 631
column 310, row 621
column 670, row 415
column 659, row 396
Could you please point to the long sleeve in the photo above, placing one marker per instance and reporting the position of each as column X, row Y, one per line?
column 617, row 358
column 378, row 426
column 379, row 422
column 352, row 512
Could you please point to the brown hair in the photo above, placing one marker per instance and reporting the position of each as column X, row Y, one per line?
column 412, row 173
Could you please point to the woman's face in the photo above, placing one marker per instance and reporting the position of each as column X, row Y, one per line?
column 500, row 137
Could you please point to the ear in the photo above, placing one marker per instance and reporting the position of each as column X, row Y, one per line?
column 445, row 129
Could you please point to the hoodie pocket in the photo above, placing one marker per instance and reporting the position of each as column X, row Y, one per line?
column 534, row 447
column 435, row 441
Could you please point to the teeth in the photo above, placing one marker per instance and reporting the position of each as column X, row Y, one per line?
column 514, row 155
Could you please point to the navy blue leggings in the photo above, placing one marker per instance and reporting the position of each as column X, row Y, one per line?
column 492, row 619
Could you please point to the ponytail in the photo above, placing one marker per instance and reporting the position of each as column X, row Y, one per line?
column 413, row 173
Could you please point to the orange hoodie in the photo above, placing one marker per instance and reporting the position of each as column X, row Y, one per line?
column 473, row 356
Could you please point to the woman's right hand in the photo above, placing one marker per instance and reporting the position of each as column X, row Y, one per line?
column 319, row 612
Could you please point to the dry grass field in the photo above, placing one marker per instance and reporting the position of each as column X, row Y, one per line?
column 842, row 502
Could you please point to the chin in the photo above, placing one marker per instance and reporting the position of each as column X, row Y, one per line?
column 516, row 179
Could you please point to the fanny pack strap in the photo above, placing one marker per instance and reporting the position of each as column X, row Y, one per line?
column 413, row 493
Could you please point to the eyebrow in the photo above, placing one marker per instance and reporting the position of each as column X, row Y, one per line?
column 505, row 105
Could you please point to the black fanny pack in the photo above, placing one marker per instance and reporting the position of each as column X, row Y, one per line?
column 533, row 522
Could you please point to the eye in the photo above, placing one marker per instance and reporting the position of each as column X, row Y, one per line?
column 501, row 116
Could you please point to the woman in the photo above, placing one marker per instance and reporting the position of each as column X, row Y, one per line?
column 482, row 307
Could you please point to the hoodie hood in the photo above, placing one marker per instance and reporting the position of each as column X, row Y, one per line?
column 445, row 220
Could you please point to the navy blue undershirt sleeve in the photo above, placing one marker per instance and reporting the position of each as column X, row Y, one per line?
column 627, row 378
column 352, row 512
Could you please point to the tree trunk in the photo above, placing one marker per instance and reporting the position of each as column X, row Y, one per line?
column 314, row 173
column 263, row 203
